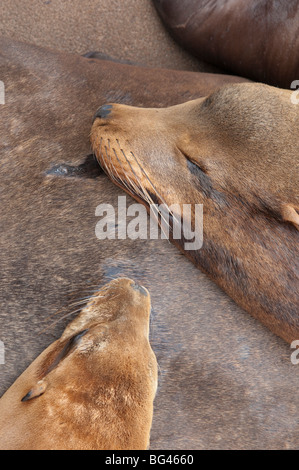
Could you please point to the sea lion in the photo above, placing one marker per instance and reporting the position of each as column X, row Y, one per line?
column 235, row 152
column 225, row 381
column 255, row 39
column 92, row 389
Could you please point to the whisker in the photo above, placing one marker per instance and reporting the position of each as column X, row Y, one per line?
column 86, row 298
column 111, row 164
column 154, row 188
column 144, row 194
column 103, row 161
column 78, row 289
column 66, row 316
column 129, row 186
column 56, row 313
column 135, row 187
column 85, row 291
column 80, row 302
column 139, row 190
column 122, row 180
column 59, row 320
column 109, row 173
column 89, row 304
column 149, row 198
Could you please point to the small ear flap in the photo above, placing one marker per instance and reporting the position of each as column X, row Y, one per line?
column 57, row 355
column 36, row 391
column 289, row 214
column 51, row 362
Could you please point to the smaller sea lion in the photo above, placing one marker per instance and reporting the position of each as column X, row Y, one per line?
column 94, row 387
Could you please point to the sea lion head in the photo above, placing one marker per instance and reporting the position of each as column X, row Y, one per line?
column 121, row 301
column 238, row 142
column 235, row 152
column 94, row 387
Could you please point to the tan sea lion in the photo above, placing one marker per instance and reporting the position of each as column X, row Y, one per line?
column 235, row 152
column 94, row 387
column 258, row 39
column 225, row 381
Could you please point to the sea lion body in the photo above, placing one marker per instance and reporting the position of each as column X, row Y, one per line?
column 235, row 152
column 94, row 387
column 257, row 39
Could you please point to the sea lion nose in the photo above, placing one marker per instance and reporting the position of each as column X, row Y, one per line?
column 141, row 289
column 103, row 112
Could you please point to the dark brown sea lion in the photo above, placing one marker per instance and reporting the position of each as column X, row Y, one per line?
column 94, row 387
column 235, row 152
column 258, row 39
column 225, row 381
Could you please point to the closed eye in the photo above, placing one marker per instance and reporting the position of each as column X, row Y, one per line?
column 194, row 167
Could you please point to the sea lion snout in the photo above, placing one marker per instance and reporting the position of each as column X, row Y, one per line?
column 120, row 300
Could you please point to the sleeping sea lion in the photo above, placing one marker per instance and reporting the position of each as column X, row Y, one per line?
column 236, row 152
column 92, row 389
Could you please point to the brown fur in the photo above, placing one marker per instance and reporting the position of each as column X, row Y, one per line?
column 100, row 393
column 235, row 152
column 225, row 381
